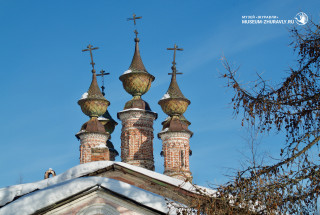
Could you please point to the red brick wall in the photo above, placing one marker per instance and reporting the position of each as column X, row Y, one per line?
column 137, row 138
column 100, row 154
column 175, row 147
column 93, row 147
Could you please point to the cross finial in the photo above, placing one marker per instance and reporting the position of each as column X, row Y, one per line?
column 175, row 48
column 174, row 70
column 136, row 33
column 102, row 74
column 90, row 48
column 134, row 18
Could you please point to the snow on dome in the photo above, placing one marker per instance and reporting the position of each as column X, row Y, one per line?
column 128, row 71
column 84, row 96
column 166, row 96
column 29, row 204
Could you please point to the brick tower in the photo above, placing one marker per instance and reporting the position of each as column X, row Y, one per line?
column 175, row 134
column 137, row 117
column 93, row 135
column 109, row 125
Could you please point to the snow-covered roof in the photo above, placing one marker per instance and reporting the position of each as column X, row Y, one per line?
column 8, row 194
column 32, row 202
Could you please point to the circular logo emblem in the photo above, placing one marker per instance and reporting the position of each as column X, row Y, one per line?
column 301, row 18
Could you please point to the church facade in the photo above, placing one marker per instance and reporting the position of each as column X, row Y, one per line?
column 99, row 185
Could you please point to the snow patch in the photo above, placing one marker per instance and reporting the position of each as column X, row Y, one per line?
column 84, row 96
column 137, row 109
column 127, row 72
column 132, row 109
column 7, row 194
column 102, row 118
column 165, row 96
column 101, row 146
column 32, row 202
column 164, row 130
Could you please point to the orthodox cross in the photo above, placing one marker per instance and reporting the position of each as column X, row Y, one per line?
column 134, row 18
column 90, row 48
column 103, row 73
column 175, row 48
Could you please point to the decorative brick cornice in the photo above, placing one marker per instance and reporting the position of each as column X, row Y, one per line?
column 87, row 135
column 169, row 134
column 136, row 113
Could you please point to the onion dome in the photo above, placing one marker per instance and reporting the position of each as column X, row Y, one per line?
column 173, row 103
column 136, row 80
column 94, row 104
column 108, row 122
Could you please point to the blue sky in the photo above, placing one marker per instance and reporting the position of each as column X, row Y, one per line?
column 44, row 73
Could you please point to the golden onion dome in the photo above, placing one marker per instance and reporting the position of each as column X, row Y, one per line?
column 173, row 103
column 94, row 104
column 136, row 80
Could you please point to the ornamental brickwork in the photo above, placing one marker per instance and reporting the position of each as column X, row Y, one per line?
column 176, row 151
column 93, row 147
column 137, row 137
column 137, row 121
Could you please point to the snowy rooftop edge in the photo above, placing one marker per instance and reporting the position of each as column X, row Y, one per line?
column 32, row 202
column 137, row 109
column 7, row 194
